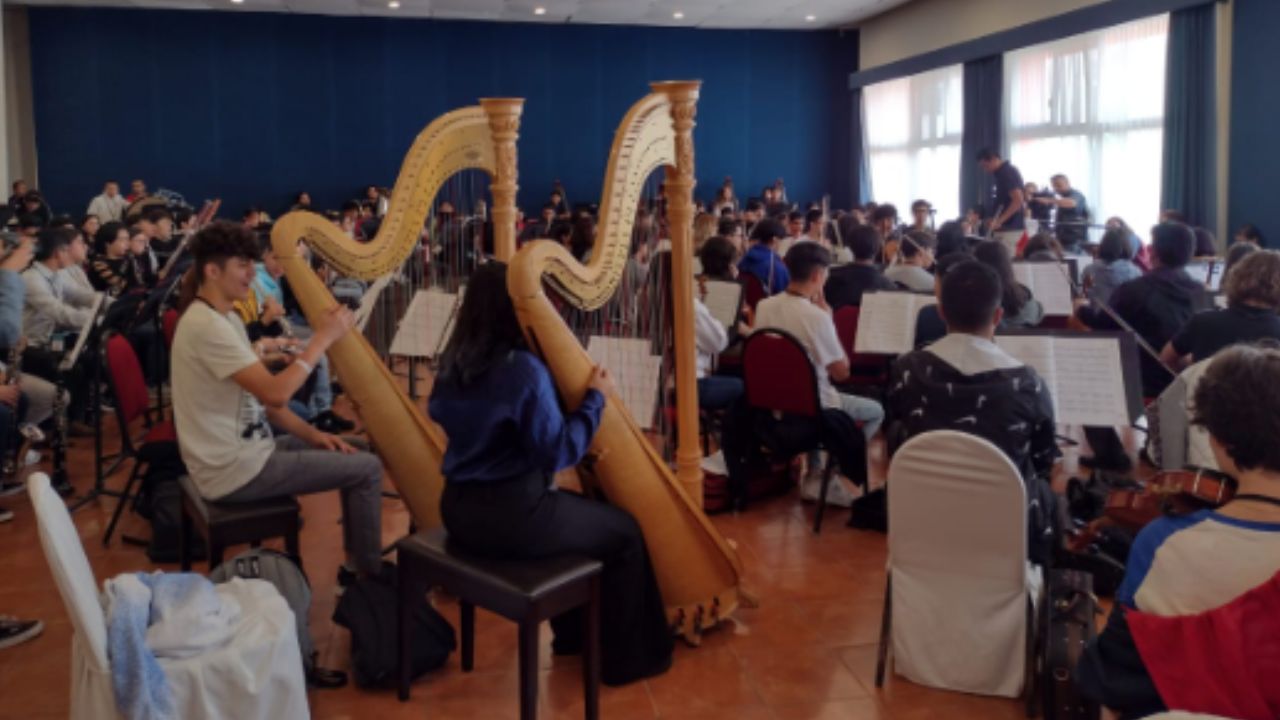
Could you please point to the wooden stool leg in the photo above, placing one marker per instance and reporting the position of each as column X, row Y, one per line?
column 529, row 669
column 591, row 653
column 403, row 615
column 468, row 635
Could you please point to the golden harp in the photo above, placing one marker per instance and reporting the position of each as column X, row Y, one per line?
column 481, row 137
column 697, row 570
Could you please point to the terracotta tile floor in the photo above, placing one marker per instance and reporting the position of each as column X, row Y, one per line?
column 807, row 652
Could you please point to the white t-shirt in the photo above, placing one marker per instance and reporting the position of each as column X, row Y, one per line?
column 815, row 330
column 222, row 429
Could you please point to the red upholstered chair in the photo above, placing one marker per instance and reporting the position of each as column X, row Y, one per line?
column 753, row 290
column 169, row 325
column 865, row 369
column 129, row 392
column 779, row 378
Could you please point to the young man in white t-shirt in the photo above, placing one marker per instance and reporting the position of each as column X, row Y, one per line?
column 226, row 401
column 802, row 312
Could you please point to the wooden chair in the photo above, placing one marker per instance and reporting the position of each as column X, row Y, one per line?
column 526, row 592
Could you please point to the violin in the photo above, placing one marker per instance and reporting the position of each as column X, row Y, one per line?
column 1173, row 492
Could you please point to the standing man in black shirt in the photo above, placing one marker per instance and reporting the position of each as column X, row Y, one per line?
column 1010, row 202
column 1073, row 213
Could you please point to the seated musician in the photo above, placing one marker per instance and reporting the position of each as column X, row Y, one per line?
column 930, row 327
column 54, row 307
column 140, row 250
column 262, row 311
column 951, row 239
column 499, row 497
column 731, row 229
column 541, row 228
column 847, row 282
column 157, row 224
column 966, row 382
column 1156, row 306
column 802, row 312
column 915, row 256
column 1020, row 308
column 225, row 402
column 1253, row 299
column 1202, row 561
column 762, row 260
column 1112, row 268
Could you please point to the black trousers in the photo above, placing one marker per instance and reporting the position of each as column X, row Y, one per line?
column 524, row 518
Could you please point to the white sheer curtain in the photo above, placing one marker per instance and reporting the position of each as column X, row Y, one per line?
column 913, row 129
column 1092, row 108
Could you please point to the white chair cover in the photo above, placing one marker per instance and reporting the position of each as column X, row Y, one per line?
column 254, row 676
column 1179, row 715
column 957, row 563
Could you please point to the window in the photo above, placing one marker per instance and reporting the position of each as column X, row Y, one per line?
column 1092, row 108
column 913, row 140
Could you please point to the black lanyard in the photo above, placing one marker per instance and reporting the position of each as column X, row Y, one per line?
column 1250, row 497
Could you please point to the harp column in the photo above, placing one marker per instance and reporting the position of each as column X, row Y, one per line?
column 504, row 125
column 679, row 182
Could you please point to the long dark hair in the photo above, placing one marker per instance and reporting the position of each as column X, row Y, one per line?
column 995, row 255
column 485, row 331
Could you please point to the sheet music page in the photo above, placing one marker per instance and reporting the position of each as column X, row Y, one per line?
column 370, row 299
column 1048, row 283
column 1035, row 351
column 1084, row 375
column 1089, row 387
column 422, row 331
column 1202, row 271
column 95, row 312
column 723, row 299
column 635, row 373
column 887, row 322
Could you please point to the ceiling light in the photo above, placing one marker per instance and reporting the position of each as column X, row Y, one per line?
column 539, row 11
column 810, row 18
column 237, row 2
column 677, row 15
column 394, row 4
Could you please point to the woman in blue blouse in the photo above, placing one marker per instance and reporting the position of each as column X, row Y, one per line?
column 507, row 437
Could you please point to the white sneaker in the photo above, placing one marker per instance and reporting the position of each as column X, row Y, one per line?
column 838, row 493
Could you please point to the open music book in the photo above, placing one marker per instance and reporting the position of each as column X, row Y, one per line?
column 887, row 321
column 724, row 300
column 1092, row 376
column 635, row 371
column 426, row 326
column 1050, row 283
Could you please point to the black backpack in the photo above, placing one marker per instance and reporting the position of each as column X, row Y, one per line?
column 369, row 610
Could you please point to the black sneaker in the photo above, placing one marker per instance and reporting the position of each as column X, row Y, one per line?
column 329, row 422
column 14, row 631
column 11, row 487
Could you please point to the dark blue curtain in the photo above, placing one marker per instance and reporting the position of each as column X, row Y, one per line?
column 861, row 165
column 1189, row 179
column 983, row 125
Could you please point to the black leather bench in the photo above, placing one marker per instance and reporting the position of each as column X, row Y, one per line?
column 223, row 525
column 523, row 591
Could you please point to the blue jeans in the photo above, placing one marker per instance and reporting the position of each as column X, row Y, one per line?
column 718, row 392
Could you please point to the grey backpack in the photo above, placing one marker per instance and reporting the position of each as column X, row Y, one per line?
column 286, row 575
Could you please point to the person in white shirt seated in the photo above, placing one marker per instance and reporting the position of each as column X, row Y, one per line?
column 226, row 402
column 915, row 257
column 802, row 312
column 110, row 205
column 715, row 392
column 54, row 308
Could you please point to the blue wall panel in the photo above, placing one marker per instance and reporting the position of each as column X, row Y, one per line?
column 253, row 107
column 1255, row 105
